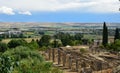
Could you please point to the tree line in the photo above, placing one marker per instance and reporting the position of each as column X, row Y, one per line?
column 115, row 46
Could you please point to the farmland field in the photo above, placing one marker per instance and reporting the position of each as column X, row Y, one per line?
column 27, row 39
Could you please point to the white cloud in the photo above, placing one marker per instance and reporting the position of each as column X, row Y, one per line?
column 25, row 12
column 105, row 6
column 6, row 10
column 98, row 6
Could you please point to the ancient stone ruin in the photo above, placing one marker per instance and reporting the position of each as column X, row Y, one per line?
column 90, row 62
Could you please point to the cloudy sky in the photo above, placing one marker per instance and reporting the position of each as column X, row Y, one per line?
column 59, row 10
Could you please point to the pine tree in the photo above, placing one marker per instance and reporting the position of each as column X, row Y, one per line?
column 105, row 35
column 116, row 34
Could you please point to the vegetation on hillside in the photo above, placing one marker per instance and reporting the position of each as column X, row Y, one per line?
column 23, row 57
column 20, row 56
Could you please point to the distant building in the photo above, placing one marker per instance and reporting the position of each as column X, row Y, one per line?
column 2, row 33
column 97, row 41
column 14, row 32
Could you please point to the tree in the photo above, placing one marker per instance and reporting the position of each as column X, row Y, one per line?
column 32, row 40
column 21, row 35
column 3, row 47
column 6, row 64
column 78, row 36
column 67, row 39
column 44, row 41
column 33, row 45
column 117, row 36
column 115, row 46
column 15, row 43
column 37, row 41
column 85, row 41
column 56, row 43
column 105, row 35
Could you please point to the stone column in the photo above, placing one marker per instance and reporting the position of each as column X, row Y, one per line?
column 53, row 55
column 64, row 59
column 56, row 54
column 59, row 56
column 70, row 62
column 77, row 65
column 67, row 60
column 49, row 53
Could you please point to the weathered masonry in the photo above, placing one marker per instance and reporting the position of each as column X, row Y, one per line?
column 75, row 61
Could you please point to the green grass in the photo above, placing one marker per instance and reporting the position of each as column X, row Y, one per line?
column 49, row 32
column 92, row 36
column 96, row 36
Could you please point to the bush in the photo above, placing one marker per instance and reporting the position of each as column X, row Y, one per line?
column 43, row 48
column 82, row 50
column 77, row 42
column 56, row 70
column 28, row 66
column 102, row 46
column 33, row 66
column 24, row 60
column 21, row 52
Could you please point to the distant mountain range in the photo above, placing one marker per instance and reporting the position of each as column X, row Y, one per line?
column 58, row 25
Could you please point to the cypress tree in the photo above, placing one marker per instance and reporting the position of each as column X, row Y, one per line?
column 105, row 35
column 116, row 34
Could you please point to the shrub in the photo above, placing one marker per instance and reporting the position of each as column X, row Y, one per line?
column 33, row 66
column 56, row 70
column 82, row 50
column 77, row 42
column 24, row 60
column 102, row 46
column 43, row 48
column 21, row 52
